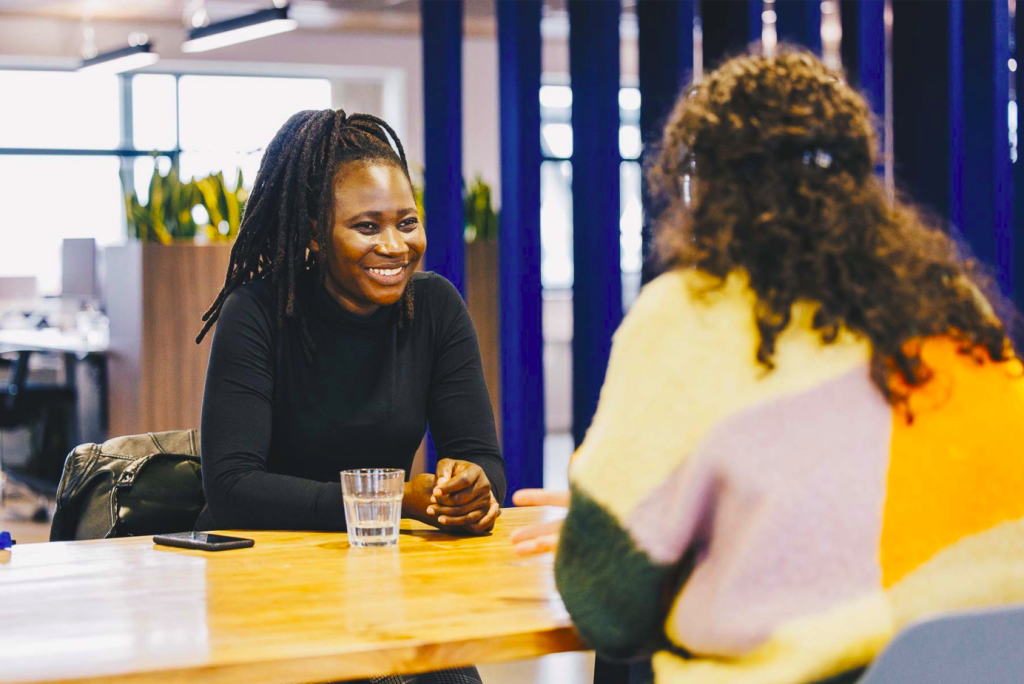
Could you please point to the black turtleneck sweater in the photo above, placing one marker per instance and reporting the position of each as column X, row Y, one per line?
column 277, row 430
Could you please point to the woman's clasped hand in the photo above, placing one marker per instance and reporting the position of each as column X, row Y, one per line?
column 457, row 497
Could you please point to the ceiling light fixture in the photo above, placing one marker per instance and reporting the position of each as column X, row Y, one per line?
column 138, row 54
column 267, row 22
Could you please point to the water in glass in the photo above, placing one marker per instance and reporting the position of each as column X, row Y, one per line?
column 373, row 505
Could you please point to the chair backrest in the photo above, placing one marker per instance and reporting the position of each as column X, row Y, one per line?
column 980, row 647
column 130, row 486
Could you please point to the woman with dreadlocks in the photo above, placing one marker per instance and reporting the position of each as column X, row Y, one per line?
column 331, row 351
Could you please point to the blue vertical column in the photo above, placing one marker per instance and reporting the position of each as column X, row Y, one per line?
column 863, row 48
column 922, row 64
column 441, row 27
column 728, row 27
column 799, row 22
column 522, row 339
column 665, row 65
column 982, row 186
column 863, row 54
column 597, row 284
column 950, row 62
column 1017, row 248
column 442, row 123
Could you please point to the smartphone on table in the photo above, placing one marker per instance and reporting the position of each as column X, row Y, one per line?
column 202, row 541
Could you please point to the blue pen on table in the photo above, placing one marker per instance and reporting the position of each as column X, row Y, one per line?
column 5, row 546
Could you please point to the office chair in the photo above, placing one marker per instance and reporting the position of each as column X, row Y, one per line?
column 979, row 647
column 23, row 404
column 982, row 646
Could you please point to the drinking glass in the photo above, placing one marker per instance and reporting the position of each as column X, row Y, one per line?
column 373, row 505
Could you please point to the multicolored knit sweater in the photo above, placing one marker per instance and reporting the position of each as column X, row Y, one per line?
column 778, row 527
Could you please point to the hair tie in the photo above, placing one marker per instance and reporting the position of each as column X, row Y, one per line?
column 819, row 157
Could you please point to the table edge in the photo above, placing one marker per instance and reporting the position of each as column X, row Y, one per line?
column 413, row 659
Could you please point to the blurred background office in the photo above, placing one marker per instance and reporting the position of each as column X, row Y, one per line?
column 131, row 131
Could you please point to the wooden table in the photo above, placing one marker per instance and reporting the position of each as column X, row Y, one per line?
column 298, row 607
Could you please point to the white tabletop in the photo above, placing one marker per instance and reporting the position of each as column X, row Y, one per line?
column 48, row 340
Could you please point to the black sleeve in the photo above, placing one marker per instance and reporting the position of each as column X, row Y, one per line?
column 236, row 429
column 458, row 406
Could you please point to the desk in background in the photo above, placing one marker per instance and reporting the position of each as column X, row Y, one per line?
column 84, row 368
column 298, row 607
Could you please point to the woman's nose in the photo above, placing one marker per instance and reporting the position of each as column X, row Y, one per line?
column 391, row 243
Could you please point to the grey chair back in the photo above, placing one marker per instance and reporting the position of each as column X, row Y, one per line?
column 980, row 647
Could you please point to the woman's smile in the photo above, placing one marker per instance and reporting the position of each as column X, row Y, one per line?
column 388, row 275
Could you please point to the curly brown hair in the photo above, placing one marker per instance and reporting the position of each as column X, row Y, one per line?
column 783, row 154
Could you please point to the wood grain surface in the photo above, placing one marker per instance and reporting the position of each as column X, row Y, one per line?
column 156, row 297
column 483, row 303
column 298, row 607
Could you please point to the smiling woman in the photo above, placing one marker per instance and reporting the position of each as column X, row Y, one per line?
column 320, row 362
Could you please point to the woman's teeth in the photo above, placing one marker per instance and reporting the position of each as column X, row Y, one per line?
column 387, row 271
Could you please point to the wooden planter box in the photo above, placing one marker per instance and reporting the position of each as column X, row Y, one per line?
column 156, row 296
column 484, row 309
column 483, row 304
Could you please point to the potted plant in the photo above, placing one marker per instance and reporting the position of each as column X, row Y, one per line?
column 202, row 209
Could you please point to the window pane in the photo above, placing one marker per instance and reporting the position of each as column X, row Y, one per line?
column 142, row 174
column 629, row 101
column 630, row 145
column 556, row 140
column 556, row 96
column 631, row 218
column 241, row 114
column 555, row 103
column 556, row 224
column 52, row 109
column 200, row 164
column 153, row 112
column 631, row 221
column 33, row 223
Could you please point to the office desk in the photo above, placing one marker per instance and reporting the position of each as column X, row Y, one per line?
column 298, row 607
column 48, row 340
column 84, row 368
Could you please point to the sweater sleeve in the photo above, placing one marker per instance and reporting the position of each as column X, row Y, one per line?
column 638, row 510
column 236, row 431
column 458, row 406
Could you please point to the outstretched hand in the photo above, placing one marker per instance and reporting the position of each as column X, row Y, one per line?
column 543, row 537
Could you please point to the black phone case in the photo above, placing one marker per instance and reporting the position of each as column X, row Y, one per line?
column 167, row 540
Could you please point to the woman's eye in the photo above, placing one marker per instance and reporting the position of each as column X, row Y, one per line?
column 367, row 228
column 409, row 224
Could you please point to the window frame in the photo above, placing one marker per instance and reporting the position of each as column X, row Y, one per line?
column 390, row 78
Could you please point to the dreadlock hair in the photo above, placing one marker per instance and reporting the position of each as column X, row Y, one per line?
column 293, row 189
